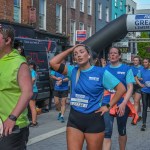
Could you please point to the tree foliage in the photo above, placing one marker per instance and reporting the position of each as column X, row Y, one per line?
column 143, row 47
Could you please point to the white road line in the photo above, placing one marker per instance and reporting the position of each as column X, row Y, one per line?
column 46, row 135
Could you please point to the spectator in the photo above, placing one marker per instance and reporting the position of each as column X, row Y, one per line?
column 32, row 102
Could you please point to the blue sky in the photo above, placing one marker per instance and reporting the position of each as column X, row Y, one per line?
column 142, row 4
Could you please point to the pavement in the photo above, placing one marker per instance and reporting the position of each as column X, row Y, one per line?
column 50, row 134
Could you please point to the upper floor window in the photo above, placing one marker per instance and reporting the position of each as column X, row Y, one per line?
column 82, row 5
column 72, row 32
column 89, row 31
column 81, row 26
column 17, row 11
column 99, row 11
column 73, row 3
column 42, row 14
column 115, row 15
column 132, row 10
column 116, row 1
column 58, row 18
column 129, row 9
column 89, row 7
column 121, row 5
column 107, row 14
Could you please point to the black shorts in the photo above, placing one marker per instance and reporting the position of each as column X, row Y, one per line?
column 61, row 94
column 34, row 96
column 87, row 123
column 15, row 141
column 136, row 89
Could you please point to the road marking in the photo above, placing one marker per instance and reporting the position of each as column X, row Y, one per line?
column 46, row 135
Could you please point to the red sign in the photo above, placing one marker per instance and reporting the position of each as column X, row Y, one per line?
column 80, row 35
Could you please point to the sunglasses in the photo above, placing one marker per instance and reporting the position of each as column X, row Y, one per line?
column 6, row 31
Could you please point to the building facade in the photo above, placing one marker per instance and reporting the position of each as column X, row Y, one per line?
column 102, row 13
column 41, row 19
column 118, row 8
column 80, row 16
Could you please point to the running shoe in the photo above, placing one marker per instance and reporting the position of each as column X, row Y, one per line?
column 62, row 119
column 132, row 122
column 143, row 128
column 139, row 119
column 58, row 117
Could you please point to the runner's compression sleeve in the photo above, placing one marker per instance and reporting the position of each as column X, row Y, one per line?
column 61, row 68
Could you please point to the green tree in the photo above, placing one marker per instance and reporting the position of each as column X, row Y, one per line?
column 142, row 47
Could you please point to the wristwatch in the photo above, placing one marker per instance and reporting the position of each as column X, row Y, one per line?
column 12, row 117
column 108, row 105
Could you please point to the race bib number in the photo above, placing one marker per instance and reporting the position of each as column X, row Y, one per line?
column 147, row 83
column 80, row 101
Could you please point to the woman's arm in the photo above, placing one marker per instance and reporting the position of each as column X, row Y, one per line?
column 56, row 61
column 120, row 90
column 138, row 82
column 122, row 106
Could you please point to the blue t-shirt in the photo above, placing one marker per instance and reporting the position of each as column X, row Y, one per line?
column 145, row 75
column 64, row 85
column 136, row 69
column 87, row 91
column 124, row 74
column 34, row 75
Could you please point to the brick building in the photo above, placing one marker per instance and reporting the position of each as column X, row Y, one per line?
column 80, row 16
column 40, row 19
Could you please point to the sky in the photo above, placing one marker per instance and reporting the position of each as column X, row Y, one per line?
column 142, row 4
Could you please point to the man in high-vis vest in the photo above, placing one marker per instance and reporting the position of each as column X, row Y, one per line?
column 15, row 93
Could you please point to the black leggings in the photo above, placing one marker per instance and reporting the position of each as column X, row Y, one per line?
column 145, row 101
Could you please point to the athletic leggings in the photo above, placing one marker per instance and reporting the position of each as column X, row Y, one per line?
column 145, row 101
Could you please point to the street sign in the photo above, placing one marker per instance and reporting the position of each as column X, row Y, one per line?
column 121, row 44
column 80, row 35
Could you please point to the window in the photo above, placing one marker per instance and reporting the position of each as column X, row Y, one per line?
column 81, row 26
column 89, row 31
column 129, row 9
column 17, row 11
column 72, row 32
column 17, row 3
column 107, row 14
column 58, row 18
column 121, row 5
column 99, row 11
column 73, row 3
column 132, row 10
column 115, row 15
column 82, row 5
column 89, row 7
column 115, row 3
column 42, row 14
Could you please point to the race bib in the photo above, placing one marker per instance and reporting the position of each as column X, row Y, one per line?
column 79, row 100
column 147, row 83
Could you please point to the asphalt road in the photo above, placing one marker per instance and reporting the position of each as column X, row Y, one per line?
column 50, row 134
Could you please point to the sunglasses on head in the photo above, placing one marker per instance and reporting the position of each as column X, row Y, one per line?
column 7, row 31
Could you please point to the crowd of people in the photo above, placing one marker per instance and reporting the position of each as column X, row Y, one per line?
column 99, row 93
